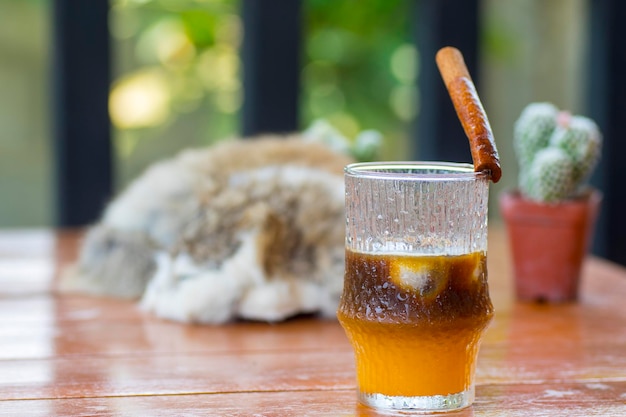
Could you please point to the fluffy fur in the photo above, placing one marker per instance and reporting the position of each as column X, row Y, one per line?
column 248, row 229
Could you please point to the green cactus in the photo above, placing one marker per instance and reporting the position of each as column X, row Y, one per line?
column 556, row 152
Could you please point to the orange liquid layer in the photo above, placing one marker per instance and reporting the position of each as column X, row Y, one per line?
column 415, row 322
column 413, row 360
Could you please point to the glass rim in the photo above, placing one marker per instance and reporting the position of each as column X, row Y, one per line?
column 385, row 170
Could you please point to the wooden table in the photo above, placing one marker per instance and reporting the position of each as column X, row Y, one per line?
column 66, row 355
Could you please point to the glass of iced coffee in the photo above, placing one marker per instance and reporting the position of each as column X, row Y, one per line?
column 415, row 301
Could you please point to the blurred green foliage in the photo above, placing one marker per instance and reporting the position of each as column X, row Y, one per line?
column 200, row 27
column 177, row 83
column 177, row 62
column 189, row 50
column 176, row 77
column 348, row 75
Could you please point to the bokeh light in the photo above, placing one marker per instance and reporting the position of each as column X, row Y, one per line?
column 140, row 99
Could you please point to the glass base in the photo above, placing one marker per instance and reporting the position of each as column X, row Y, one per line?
column 420, row 404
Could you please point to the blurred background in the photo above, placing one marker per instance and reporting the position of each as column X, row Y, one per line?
column 176, row 80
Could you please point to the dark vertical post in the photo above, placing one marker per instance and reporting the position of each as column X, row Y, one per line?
column 82, row 143
column 606, row 99
column 443, row 23
column 271, row 65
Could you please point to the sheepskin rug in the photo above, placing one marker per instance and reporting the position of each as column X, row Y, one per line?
column 250, row 229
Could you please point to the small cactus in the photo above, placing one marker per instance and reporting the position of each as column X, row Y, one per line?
column 556, row 152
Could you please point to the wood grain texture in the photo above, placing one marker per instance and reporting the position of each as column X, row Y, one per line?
column 70, row 355
column 511, row 400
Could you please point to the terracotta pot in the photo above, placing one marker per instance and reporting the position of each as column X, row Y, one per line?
column 549, row 243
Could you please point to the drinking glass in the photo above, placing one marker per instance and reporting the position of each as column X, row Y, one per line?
column 415, row 301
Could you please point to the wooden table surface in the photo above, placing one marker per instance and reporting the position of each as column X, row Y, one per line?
column 64, row 355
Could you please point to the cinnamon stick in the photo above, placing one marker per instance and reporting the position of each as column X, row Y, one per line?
column 470, row 111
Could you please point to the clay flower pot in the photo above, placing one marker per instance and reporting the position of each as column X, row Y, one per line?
column 549, row 243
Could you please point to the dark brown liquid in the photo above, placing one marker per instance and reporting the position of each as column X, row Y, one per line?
column 401, row 288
